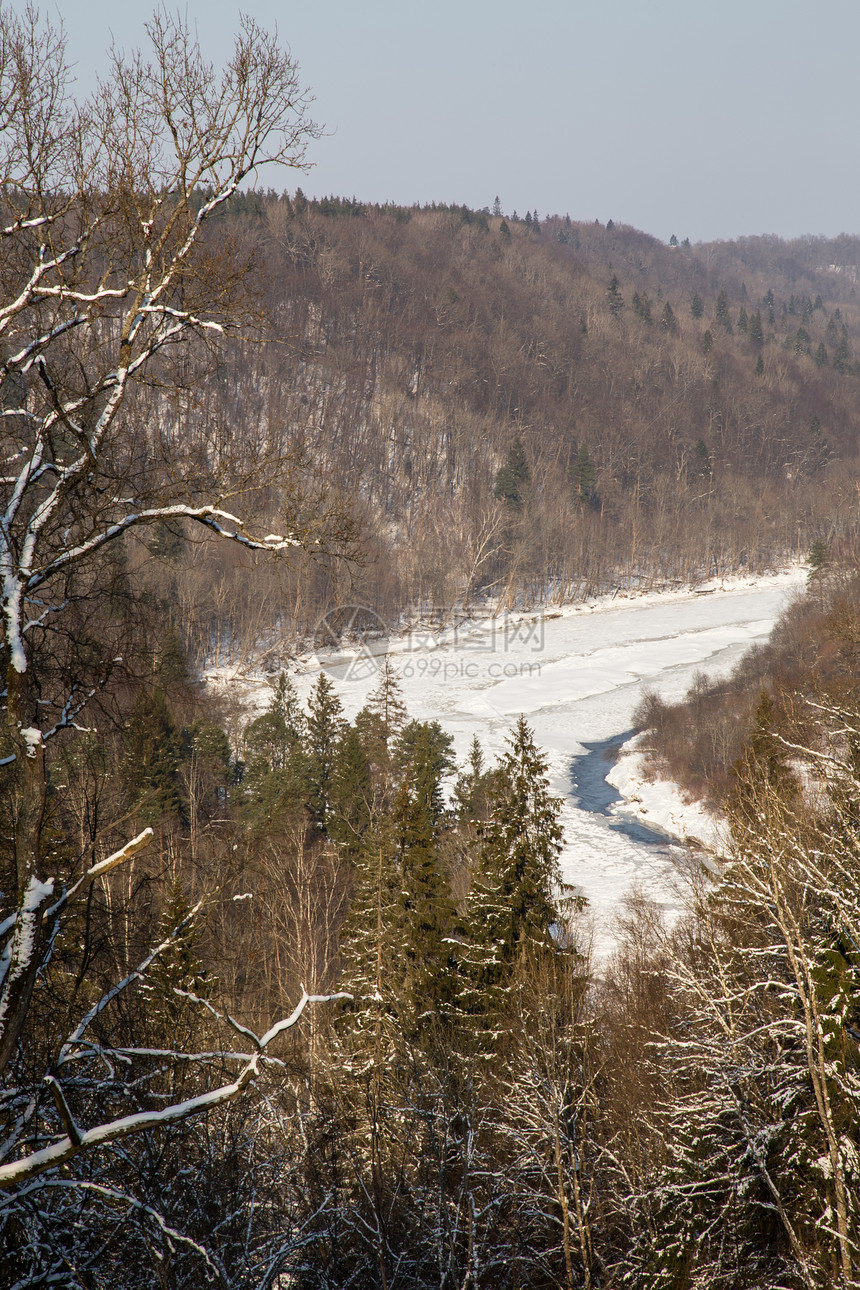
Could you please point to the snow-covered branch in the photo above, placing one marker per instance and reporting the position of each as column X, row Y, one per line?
column 72, row 1143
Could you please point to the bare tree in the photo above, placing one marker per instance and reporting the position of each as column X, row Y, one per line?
column 108, row 283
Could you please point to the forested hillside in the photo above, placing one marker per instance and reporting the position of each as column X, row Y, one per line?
column 673, row 411
column 299, row 1001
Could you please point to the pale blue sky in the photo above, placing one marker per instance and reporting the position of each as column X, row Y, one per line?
column 677, row 116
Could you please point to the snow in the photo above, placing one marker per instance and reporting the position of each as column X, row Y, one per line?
column 32, row 738
column 660, row 802
column 576, row 674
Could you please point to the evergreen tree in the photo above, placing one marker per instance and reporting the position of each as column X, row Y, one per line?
column 673, row 241
column 423, row 754
column 177, row 967
column 352, row 796
column 583, row 479
column 697, row 306
column 386, row 701
column 324, row 726
column 513, row 478
column 497, row 206
column 614, row 297
column 152, row 751
column 821, row 355
column 707, row 342
column 275, row 760
column 504, row 228
column 473, row 790
column 842, row 354
column 668, row 321
column 756, row 331
column 743, row 322
column 514, row 905
column 759, row 366
column 427, row 910
column 702, row 459
column 642, row 306
column 721, row 312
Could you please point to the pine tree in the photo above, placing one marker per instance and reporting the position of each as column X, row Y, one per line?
column 756, row 331
column 474, row 787
column 275, row 761
column 423, row 755
column 352, row 797
column 614, row 297
column 697, row 306
column 668, row 321
column 721, row 312
column 152, row 753
column 518, row 897
column 512, row 480
column 324, row 726
column 583, row 479
column 386, row 701
column 642, row 307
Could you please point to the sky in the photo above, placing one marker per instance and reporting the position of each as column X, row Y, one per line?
column 703, row 118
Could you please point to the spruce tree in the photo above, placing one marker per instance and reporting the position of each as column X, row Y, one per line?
column 324, row 726
column 513, row 478
column 697, row 306
column 721, row 312
column 614, row 298
column 518, row 902
column 583, row 479
column 275, row 762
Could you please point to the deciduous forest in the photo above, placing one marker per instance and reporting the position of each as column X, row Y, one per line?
column 292, row 1000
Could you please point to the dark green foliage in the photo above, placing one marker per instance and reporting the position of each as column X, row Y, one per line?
column 697, row 306
column 756, row 332
column 702, row 459
column 324, row 726
column 707, row 342
column 821, row 355
column 275, row 777
column 475, row 786
column 152, row 751
column 614, row 298
column 743, row 323
column 642, row 307
column 352, row 795
column 721, row 312
column 583, row 479
column 668, row 321
column 842, row 353
column 513, row 479
column 759, row 366
column 423, row 754
column 513, row 905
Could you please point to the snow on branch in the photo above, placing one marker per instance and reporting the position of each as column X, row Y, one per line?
column 209, row 516
column 78, row 1140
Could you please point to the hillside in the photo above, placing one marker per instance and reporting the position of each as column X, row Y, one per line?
column 683, row 411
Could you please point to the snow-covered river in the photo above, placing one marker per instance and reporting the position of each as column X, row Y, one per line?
column 577, row 677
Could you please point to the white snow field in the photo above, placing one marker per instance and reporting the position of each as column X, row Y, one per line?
column 576, row 674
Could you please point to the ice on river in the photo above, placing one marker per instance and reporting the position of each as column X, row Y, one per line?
column 577, row 675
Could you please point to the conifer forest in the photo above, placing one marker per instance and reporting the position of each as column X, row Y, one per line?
column 289, row 999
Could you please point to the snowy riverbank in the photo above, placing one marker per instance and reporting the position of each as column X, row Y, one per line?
column 576, row 673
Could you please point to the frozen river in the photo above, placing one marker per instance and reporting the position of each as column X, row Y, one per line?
column 577, row 677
